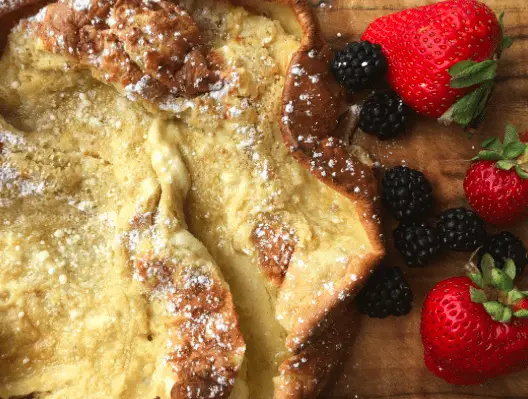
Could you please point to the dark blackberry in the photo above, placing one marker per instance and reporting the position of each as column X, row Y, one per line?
column 386, row 293
column 504, row 246
column 417, row 243
column 461, row 229
column 359, row 65
column 407, row 194
column 384, row 115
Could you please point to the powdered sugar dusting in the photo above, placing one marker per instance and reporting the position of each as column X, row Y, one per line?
column 7, row 6
column 139, row 89
column 13, row 185
column 202, row 316
column 9, row 140
column 81, row 5
column 149, row 49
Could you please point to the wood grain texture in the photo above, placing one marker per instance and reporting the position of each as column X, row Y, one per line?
column 386, row 356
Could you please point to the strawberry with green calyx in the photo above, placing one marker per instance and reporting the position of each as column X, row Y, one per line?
column 496, row 290
column 510, row 154
column 442, row 57
column 496, row 184
column 476, row 328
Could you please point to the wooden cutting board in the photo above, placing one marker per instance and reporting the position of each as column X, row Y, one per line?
column 386, row 356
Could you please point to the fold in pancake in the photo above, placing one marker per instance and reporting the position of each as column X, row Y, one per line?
column 102, row 287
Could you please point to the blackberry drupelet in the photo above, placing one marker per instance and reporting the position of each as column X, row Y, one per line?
column 384, row 115
column 417, row 242
column 460, row 229
column 359, row 66
column 407, row 194
column 386, row 293
column 504, row 246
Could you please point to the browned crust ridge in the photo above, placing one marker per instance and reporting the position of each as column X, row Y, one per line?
column 308, row 131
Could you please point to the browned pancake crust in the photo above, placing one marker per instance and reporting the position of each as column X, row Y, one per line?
column 151, row 49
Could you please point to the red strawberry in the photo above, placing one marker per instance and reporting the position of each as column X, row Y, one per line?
column 469, row 339
column 439, row 53
column 496, row 185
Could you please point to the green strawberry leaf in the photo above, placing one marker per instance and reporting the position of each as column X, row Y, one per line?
column 515, row 295
column 523, row 174
column 492, row 144
column 457, row 69
column 501, row 280
column 506, row 40
column 521, row 314
column 501, row 20
column 486, row 155
column 511, row 135
column 494, row 309
column 477, row 279
column 506, row 164
column 449, row 116
column 480, row 111
column 514, row 150
column 506, row 316
column 489, row 142
column 477, row 296
column 467, row 68
column 487, row 264
column 475, row 74
column 506, row 43
column 510, row 269
column 470, row 107
column 478, row 120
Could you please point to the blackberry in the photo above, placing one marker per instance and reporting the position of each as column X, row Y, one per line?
column 504, row 246
column 359, row 65
column 417, row 242
column 461, row 229
column 386, row 293
column 384, row 115
column 407, row 194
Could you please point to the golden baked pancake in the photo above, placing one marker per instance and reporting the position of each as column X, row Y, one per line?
column 179, row 216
